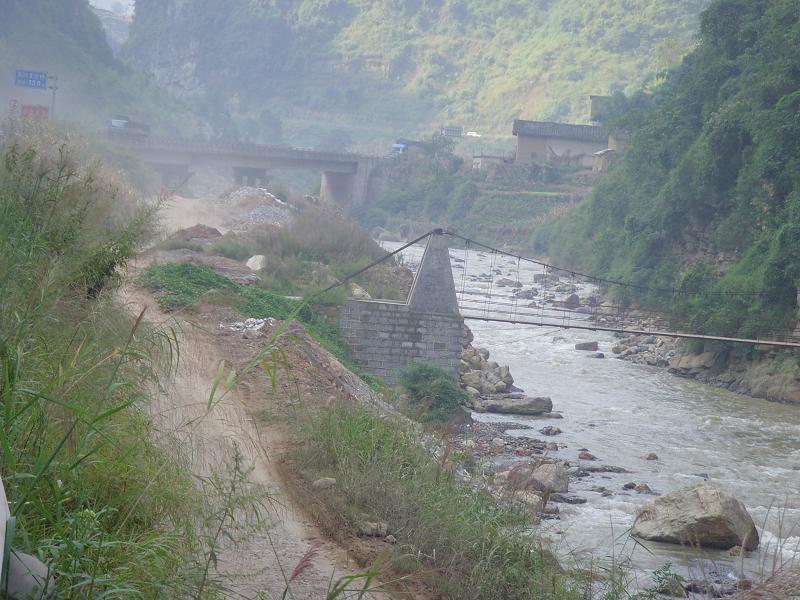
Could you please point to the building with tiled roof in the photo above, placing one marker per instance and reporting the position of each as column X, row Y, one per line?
column 559, row 143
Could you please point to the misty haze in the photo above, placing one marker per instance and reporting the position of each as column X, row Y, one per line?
column 466, row 299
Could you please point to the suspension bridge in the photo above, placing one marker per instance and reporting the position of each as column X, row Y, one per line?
column 494, row 285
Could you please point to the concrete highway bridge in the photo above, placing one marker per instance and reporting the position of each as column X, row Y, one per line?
column 345, row 176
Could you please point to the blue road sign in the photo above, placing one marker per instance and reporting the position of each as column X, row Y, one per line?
column 31, row 79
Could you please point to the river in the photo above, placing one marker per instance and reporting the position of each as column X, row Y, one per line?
column 620, row 412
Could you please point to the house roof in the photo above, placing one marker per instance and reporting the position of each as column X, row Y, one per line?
column 588, row 133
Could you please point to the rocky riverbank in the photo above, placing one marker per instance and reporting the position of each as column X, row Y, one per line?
column 490, row 386
column 761, row 372
column 522, row 470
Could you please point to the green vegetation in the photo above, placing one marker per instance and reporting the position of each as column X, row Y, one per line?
column 182, row 285
column 65, row 38
column 329, row 67
column 111, row 512
column 433, row 394
column 461, row 541
column 233, row 249
column 707, row 198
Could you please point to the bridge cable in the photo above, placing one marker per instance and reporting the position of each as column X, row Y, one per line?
column 491, row 283
column 464, row 272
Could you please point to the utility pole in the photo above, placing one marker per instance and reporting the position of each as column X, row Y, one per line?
column 53, row 86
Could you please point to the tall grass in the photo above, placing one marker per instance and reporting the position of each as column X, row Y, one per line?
column 462, row 541
column 318, row 248
column 108, row 510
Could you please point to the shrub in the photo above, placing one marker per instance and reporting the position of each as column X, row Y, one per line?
column 181, row 245
column 433, row 393
column 233, row 249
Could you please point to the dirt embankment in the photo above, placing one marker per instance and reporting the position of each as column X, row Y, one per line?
column 257, row 419
column 247, row 419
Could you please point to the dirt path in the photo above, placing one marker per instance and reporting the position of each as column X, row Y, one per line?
column 263, row 562
column 260, row 564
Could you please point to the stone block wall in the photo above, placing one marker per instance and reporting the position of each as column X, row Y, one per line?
column 386, row 336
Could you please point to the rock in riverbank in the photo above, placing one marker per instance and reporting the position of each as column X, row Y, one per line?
column 587, row 346
column 514, row 406
column 490, row 386
column 767, row 373
column 550, row 477
column 701, row 515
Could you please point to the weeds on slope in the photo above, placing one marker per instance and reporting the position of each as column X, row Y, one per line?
column 461, row 541
column 110, row 512
column 181, row 285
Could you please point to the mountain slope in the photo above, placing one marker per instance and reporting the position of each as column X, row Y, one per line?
column 708, row 195
column 65, row 37
column 408, row 64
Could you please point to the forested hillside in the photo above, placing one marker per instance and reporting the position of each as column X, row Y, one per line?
column 708, row 195
column 65, row 38
column 406, row 65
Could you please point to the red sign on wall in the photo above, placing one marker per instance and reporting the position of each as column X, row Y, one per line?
column 36, row 112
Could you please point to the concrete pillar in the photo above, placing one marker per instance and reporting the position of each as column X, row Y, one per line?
column 348, row 190
column 434, row 291
column 172, row 175
column 361, row 181
column 337, row 188
column 250, row 176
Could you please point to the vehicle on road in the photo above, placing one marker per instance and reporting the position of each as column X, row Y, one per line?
column 123, row 125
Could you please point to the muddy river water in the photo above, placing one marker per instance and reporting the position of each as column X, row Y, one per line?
column 621, row 412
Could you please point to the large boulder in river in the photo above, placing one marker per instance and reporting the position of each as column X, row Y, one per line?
column 516, row 406
column 700, row 515
column 506, row 282
column 572, row 301
column 550, row 477
column 587, row 346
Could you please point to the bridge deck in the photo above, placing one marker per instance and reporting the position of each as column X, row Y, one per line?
column 236, row 149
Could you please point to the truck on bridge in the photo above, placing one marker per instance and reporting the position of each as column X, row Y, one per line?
column 123, row 125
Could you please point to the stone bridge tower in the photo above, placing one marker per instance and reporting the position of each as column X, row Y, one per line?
column 386, row 336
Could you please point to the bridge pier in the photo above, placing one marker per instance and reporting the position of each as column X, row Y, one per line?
column 337, row 188
column 386, row 336
column 348, row 190
column 250, row 176
column 172, row 175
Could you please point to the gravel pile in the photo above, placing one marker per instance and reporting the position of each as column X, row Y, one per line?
column 266, row 208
